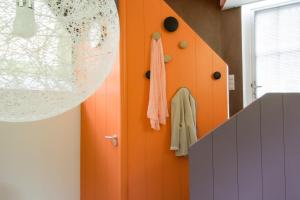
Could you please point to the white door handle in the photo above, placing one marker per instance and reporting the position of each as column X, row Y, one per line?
column 113, row 139
column 257, row 86
column 254, row 86
column 254, row 89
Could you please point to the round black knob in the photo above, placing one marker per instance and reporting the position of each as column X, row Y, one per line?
column 217, row 75
column 171, row 24
column 148, row 74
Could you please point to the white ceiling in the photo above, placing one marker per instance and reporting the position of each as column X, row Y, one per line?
column 236, row 3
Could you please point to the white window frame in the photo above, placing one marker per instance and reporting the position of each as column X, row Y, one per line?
column 248, row 43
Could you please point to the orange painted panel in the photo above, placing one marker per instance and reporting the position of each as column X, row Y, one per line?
column 220, row 91
column 143, row 167
column 204, row 88
column 154, row 173
column 100, row 161
column 88, row 146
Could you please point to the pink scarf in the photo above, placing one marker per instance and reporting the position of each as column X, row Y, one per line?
column 157, row 107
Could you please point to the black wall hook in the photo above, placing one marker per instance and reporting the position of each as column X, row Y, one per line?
column 217, row 75
column 171, row 24
column 148, row 74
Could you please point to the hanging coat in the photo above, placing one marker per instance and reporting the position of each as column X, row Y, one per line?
column 183, row 122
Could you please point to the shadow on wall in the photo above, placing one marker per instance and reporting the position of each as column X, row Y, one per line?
column 41, row 160
column 8, row 192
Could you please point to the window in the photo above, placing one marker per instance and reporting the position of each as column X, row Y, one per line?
column 271, row 45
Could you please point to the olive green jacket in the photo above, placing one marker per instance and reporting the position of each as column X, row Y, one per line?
column 183, row 122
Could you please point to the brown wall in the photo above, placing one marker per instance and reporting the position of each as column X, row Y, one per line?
column 232, row 53
column 222, row 2
column 222, row 31
column 204, row 17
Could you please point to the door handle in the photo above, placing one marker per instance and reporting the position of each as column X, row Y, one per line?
column 113, row 139
column 254, row 86
column 257, row 86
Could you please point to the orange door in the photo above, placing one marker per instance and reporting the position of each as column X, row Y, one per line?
column 101, row 165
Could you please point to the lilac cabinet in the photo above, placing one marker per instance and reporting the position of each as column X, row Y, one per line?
column 253, row 156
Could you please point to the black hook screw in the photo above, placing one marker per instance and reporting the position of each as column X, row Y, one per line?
column 217, row 75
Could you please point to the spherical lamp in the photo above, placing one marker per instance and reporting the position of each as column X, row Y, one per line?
column 53, row 54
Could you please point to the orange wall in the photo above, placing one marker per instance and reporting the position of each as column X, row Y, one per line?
column 100, row 161
column 154, row 173
column 145, row 168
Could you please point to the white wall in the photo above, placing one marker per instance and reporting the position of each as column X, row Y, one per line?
column 41, row 160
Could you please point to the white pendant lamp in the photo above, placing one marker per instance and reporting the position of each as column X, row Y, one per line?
column 53, row 54
column 24, row 24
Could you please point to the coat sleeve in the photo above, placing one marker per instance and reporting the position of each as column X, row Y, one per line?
column 175, row 125
column 193, row 131
column 193, row 108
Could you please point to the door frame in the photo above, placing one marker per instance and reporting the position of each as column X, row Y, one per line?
column 248, row 45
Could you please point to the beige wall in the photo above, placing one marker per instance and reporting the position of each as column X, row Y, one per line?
column 222, row 31
column 41, row 160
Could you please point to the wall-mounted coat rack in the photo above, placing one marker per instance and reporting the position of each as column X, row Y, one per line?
column 171, row 24
column 148, row 74
column 183, row 44
column 156, row 35
column 167, row 58
column 217, row 75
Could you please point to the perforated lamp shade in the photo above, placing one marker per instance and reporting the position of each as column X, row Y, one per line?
column 53, row 54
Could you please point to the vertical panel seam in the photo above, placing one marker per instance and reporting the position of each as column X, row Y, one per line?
column 124, row 112
column 237, row 158
column 261, row 150
column 196, row 82
column 212, row 91
column 107, row 128
column 162, row 163
column 94, row 131
column 213, row 166
column 284, row 145
column 146, row 188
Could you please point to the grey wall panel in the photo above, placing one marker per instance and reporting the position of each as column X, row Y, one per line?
column 253, row 156
column 201, row 170
column 272, row 147
column 249, row 153
column 292, row 145
column 225, row 161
